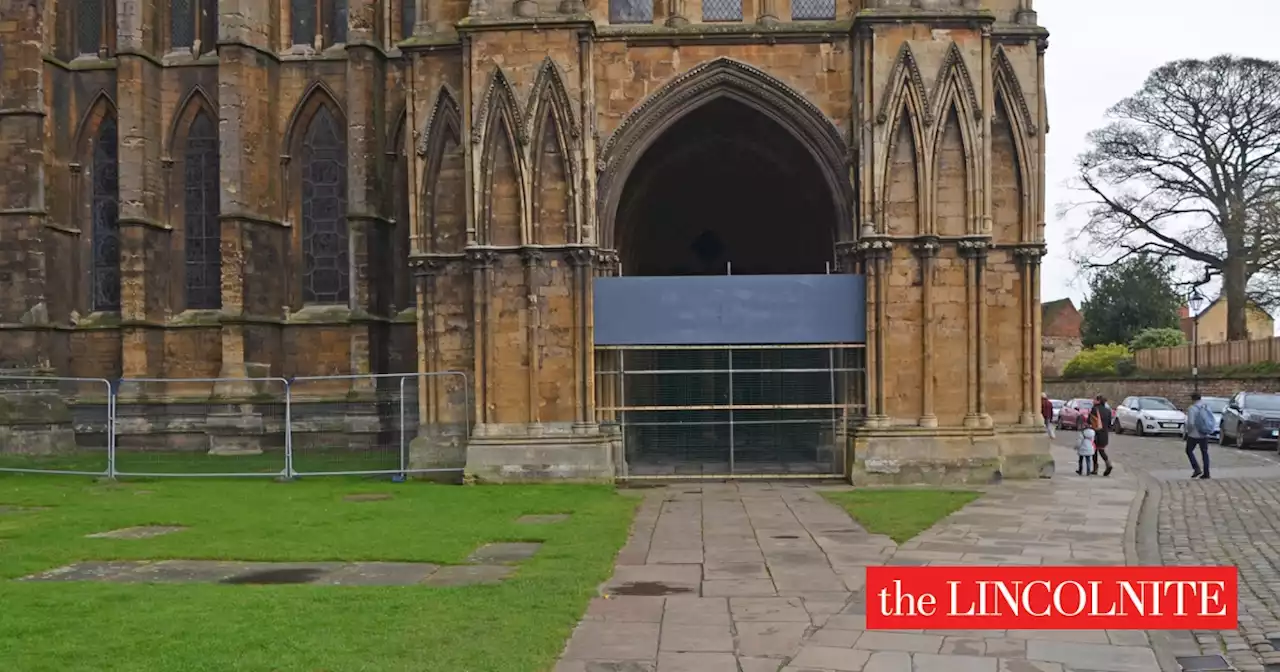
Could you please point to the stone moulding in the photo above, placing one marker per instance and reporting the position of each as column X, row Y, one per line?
column 721, row 77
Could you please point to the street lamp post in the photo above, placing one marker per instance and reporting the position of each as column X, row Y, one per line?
column 1194, row 302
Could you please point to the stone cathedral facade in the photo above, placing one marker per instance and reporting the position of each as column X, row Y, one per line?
column 247, row 188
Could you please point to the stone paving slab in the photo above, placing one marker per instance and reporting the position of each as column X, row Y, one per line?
column 504, row 553
column 140, row 532
column 757, row 576
column 13, row 508
column 542, row 519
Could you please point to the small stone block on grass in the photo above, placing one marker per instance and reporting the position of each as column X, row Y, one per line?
column 543, row 519
column 498, row 554
column 1203, row 663
column 140, row 532
column 10, row 508
column 468, row 575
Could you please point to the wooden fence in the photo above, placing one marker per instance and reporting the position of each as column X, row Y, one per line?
column 1211, row 355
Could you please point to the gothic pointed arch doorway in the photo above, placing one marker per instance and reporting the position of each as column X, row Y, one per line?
column 728, row 344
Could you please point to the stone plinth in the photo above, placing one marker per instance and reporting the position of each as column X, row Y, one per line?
column 439, row 447
column 35, row 421
column 910, row 455
column 561, row 457
column 235, row 432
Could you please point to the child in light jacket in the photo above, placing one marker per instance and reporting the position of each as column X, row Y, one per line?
column 1085, row 450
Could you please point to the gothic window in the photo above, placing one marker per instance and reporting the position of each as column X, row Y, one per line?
column 193, row 24
column 630, row 11
column 722, row 10
column 90, row 17
column 813, row 10
column 408, row 16
column 203, row 234
column 324, row 18
column 106, row 211
column 326, row 276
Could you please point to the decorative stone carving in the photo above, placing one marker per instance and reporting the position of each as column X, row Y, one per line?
column 445, row 109
column 906, row 86
column 481, row 257
column 549, row 92
column 954, row 72
column 927, row 246
column 499, row 106
column 1008, row 87
column 532, row 256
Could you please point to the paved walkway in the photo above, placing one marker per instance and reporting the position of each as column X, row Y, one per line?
column 755, row 577
column 1233, row 519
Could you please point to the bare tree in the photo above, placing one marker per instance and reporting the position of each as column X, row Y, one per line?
column 1188, row 170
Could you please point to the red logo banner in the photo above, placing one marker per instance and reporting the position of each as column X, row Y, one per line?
column 1051, row 598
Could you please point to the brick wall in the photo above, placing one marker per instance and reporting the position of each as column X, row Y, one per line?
column 1177, row 390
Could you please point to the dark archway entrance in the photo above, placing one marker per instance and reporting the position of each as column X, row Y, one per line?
column 728, row 191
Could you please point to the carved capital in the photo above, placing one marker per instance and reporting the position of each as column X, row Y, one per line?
column 926, row 247
column 481, row 258
column 1029, row 255
column 973, row 248
column 532, row 256
column 581, row 256
column 429, row 267
column 75, row 168
column 1042, row 45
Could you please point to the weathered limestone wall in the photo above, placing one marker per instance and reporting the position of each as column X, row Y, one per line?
column 481, row 158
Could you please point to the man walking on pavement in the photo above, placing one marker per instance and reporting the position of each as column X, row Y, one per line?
column 1200, row 426
column 1100, row 423
column 1046, row 410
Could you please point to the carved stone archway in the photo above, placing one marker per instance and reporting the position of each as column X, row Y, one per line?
column 722, row 78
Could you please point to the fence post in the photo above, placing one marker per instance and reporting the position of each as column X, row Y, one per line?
column 113, row 389
column 403, row 459
column 289, row 473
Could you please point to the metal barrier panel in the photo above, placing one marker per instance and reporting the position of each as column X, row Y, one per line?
column 716, row 411
column 394, row 423
column 55, row 425
column 201, row 427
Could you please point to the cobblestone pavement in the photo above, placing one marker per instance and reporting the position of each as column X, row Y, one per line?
column 1233, row 519
column 754, row 577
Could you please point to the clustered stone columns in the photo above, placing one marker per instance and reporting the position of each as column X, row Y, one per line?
column 481, row 261
column 533, row 259
column 974, row 251
column 1028, row 259
column 585, row 262
column 927, row 250
column 876, row 251
column 676, row 17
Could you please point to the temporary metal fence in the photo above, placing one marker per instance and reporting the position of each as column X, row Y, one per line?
column 242, row 427
column 366, row 424
column 715, row 411
column 56, row 425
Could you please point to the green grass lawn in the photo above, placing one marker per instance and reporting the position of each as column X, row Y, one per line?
column 520, row 624
column 900, row 513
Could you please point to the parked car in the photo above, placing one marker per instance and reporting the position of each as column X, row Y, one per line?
column 1057, row 409
column 1149, row 415
column 1075, row 414
column 1217, row 405
column 1251, row 419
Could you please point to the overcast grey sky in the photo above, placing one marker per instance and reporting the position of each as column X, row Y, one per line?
column 1101, row 51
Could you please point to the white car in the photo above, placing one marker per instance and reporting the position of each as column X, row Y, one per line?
column 1149, row 415
column 1057, row 409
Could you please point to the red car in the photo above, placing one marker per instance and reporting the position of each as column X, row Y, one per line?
column 1075, row 414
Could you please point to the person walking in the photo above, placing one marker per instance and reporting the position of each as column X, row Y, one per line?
column 1046, row 410
column 1100, row 422
column 1200, row 426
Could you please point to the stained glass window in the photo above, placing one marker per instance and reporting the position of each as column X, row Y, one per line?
column 182, row 23
column 303, row 17
column 813, row 10
column 722, row 10
column 106, row 212
column 336, row 22
column 630, row 11
column 326, row 276
column 408, row 16
column 89, row 26
column 203, row 233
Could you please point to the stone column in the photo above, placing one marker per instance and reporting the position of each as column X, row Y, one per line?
column 424, row 12
column 365, row 179
column 1027, row 304
column 1026, row 15
column 23, row 181
column 532, row 281
column 141, row 129
column 876, row 252
column 481, row 261
column 980, row 284
column 927, row 250
column 477, row 8
column 973, row 295
column 583, row 338
column 768, row 13
column 987, row 111
column 675, row 14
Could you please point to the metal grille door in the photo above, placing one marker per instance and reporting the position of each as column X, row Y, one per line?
column 704, row 411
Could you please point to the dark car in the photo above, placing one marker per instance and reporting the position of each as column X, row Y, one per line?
column 1075, row 414
column 1251, row 419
